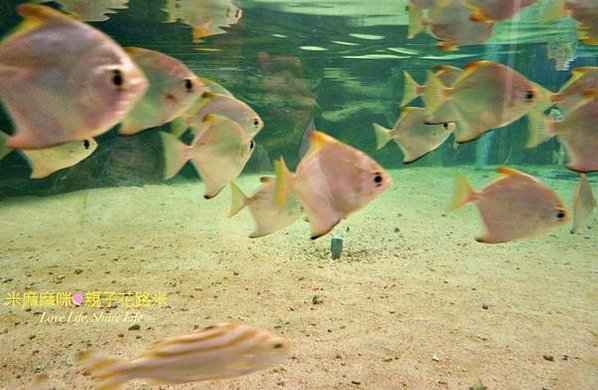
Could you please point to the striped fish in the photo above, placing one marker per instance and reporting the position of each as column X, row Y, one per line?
column 221, row 351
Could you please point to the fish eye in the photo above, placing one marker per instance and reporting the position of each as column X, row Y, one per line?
column 189, row 85
column 251, row 145
column 278, row 345
column 117, row 78
column 256, row 122
column 86, row 144
column 530, row 95
column 560, row 214
column 378, row 178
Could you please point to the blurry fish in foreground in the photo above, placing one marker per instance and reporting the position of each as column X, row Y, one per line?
column 222, row 351
column 173, row 87
column 490, row 11
column 578, row 133
column 575, row 91
column 267, row 216
column 413, row 136
column 514, row 206
column 206, row 17
column 227, row 106
column 584, row 11
column 91, row 11
column 448, row 21
column 219, row 153
column 583, row 203
column 332, row 181
column 488, row 95
column 62, row 80
column 448, row 75
column 44, row 162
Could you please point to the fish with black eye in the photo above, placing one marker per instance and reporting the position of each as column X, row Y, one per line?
column 189, row 85
column 378, row 179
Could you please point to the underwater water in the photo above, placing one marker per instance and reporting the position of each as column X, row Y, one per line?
column 413, row 302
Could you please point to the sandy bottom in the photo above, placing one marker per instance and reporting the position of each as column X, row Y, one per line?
column 415, row 302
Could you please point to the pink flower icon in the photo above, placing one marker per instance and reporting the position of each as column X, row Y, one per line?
column 78, row 299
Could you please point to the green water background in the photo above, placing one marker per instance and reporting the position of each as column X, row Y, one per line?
column 263, row 60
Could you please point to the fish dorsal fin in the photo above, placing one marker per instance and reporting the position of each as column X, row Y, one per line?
column 266, row 179
column 317, row 140
column 40, row 14
column 475, row 65
column 215, row 87
column 583, row 70
column 404, row 111
column 506, row 171
column 446, row 68
column 133, row 50
column 34, row 16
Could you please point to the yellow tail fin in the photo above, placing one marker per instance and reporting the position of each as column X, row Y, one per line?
column 284, row 183
column 411, row 89
column 382, row 136
column 178, row 127
column 463, row 193
column 238, row 200
column 435, row 94
column 416, row 21
column 175, row 154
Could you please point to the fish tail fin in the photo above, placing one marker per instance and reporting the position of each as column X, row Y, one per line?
column 4, row 150
column 284, row 183
column 108, row 371
column 540, row 129
column 238, row 200
column 435, row 94
column 463, row 193
column 382, row 136
column 416, row 21
column 178, row 127
column 175, row 154
column 411, row 89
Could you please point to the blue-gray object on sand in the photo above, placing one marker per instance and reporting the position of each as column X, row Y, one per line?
column 336, row 247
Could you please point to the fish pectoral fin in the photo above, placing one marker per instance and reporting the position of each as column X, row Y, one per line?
column 323, row 224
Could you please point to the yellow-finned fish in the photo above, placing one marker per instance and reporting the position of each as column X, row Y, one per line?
column 225, row 105
column 91, row 11
column 219, row 153
column 578, row 133
column 262, row 204
column 583, row 203
column 515, row 206
column 222, row 351
column 46, row 161
column 411, row 89
column 173, row 89
column 491, row 11
column 206, row 17
column 62, row 80
column 448, row 21
column 583, row 80
column 488, row 95
column 413, row 136
column 332, row 181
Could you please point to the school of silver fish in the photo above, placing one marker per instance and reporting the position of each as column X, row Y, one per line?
column 88, row 84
